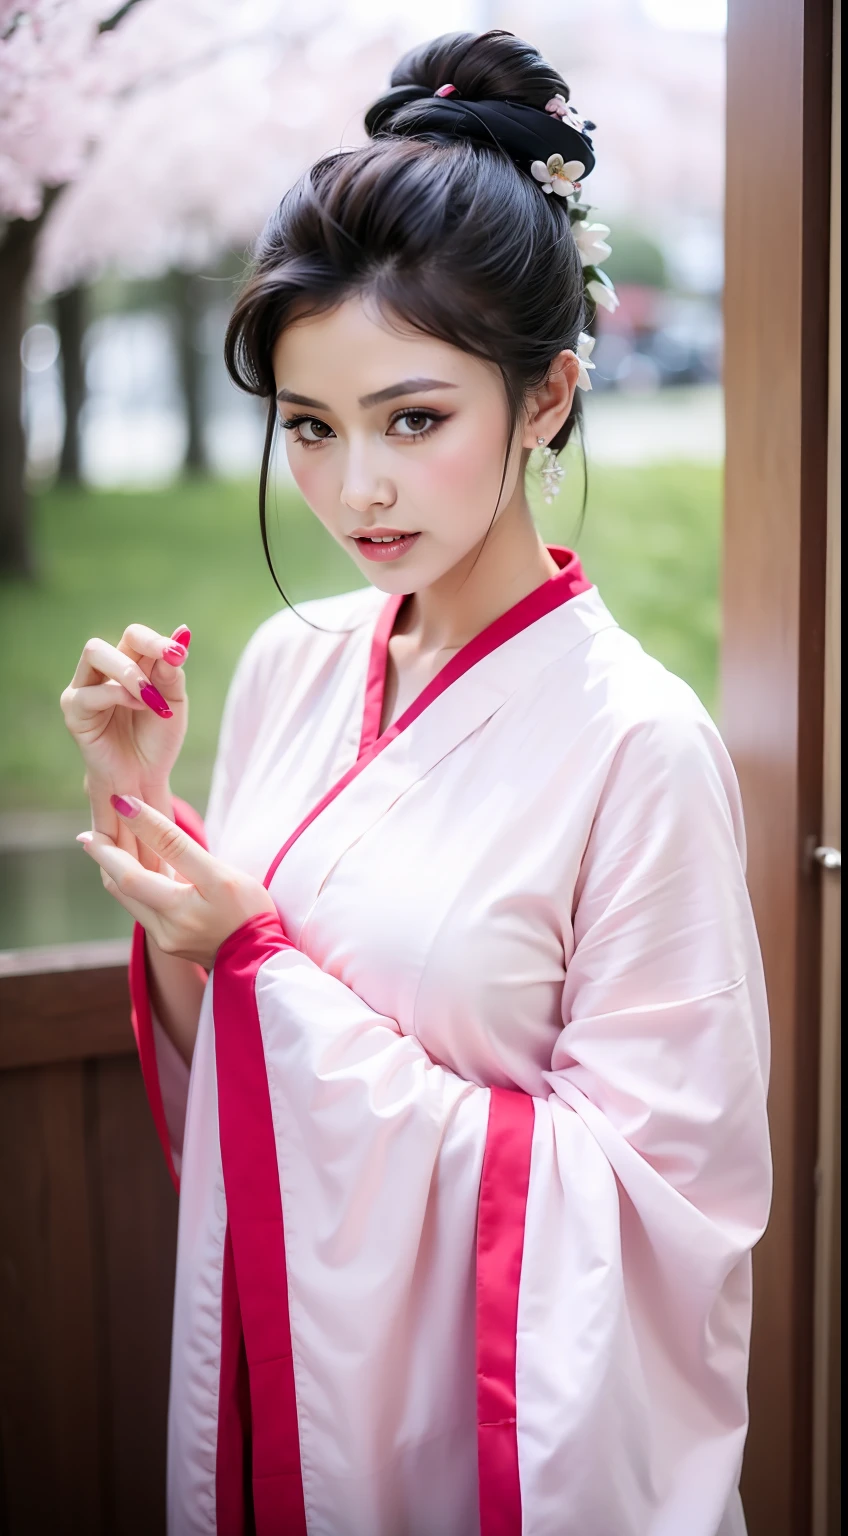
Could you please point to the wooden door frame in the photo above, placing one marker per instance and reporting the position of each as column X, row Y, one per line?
column 827, row 1446
column 774, row 586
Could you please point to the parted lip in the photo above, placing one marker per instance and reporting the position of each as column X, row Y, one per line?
column 381, row 533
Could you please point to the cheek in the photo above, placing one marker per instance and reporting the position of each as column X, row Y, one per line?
column 464, row 466
column 311, row 474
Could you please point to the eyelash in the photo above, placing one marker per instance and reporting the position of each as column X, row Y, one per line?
column 293, row 423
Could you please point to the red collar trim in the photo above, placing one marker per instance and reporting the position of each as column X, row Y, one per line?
column 569, row 580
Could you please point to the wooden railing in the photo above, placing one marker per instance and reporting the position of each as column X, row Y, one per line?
column 87, row 1248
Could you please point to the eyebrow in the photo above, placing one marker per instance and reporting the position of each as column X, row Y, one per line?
column 405, row 387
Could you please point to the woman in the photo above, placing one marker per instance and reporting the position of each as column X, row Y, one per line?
column 473, row 1151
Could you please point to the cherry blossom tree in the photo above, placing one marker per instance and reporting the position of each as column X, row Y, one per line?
column 153, row 136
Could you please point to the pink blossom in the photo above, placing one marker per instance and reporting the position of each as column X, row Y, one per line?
column 175, row 133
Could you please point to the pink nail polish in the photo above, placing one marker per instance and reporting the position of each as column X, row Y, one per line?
column 175, row 654
column 154, row 700
column 182, row 636
column 125, row 805
column 84, row 837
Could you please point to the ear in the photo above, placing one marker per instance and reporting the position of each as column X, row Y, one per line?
column 549, row 404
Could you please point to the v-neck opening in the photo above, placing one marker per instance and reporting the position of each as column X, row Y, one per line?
column 568, row 581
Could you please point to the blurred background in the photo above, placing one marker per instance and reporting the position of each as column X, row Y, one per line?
column 141, row 148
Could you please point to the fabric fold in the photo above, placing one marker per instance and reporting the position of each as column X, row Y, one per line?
column 165, row 1075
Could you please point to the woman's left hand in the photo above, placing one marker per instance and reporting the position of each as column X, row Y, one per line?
column 190, row 916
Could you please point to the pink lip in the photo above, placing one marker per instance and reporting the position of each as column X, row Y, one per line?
column 393, row 551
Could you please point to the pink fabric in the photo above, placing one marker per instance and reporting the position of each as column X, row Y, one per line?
column 568, row 581
column 251, row 1183
column 583, row 937
column 375, row 684
column 249, row 1155
column 500, row 1244
column 142, row 1019
column 255, row 1283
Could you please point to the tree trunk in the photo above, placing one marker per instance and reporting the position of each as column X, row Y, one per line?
column 16, row 253
column 70, row 323
column 188, row 294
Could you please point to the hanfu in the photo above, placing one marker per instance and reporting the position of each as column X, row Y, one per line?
column 474, row 1149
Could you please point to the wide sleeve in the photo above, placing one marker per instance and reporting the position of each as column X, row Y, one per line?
column 611, row 1218
column 651, row 1163
column 165, row 1073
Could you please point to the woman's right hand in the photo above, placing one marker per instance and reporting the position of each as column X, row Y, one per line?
column 127, row 710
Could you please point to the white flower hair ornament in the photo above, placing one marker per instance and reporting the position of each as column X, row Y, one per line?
column 602, row 292
column 585, row 347
column 590, row 240
column 563, row 177
column 558, row 175
column 593, row 248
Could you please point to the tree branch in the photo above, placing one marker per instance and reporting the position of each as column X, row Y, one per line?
column 18, row 234
column 112, row 22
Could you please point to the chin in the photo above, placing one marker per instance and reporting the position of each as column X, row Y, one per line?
column 413, row 572
column 402, row 577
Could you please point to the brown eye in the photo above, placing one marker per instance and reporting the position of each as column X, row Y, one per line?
column 317, row 432
column 420, row 423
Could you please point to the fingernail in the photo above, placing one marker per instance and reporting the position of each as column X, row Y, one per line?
column 84, row 837
column 182, row 636
column 175, row 654
column 125, row 805
column 153, row 698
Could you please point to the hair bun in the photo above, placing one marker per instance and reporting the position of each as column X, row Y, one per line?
column 483, row 66
column 381, row 113
column 502, row 97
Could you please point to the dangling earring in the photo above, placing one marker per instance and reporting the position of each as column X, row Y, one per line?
column 553, row 473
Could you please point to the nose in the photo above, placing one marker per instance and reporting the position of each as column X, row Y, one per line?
column 364, row 486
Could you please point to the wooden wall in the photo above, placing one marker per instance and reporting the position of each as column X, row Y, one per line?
column 87, row 1250
column 776, row 380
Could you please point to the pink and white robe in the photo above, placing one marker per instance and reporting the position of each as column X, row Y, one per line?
column 473, row 1151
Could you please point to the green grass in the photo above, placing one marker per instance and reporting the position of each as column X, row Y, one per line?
column 651, row 540
column 192, row 554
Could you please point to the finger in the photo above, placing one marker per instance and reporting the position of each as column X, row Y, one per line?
column 139, row 641
column 182, row 635
column 136, row 909
column 168, row 841
column 149, row 892
column 160, row 656
column 150, row 921
column 82, row 706
column 104, row 818
column 100, row 660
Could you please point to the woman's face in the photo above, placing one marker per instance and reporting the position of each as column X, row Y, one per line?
column 396, row 441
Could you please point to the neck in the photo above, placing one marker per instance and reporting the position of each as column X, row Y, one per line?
column 511, row 562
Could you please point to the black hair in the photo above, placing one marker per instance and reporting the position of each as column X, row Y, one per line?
column 447, row 235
